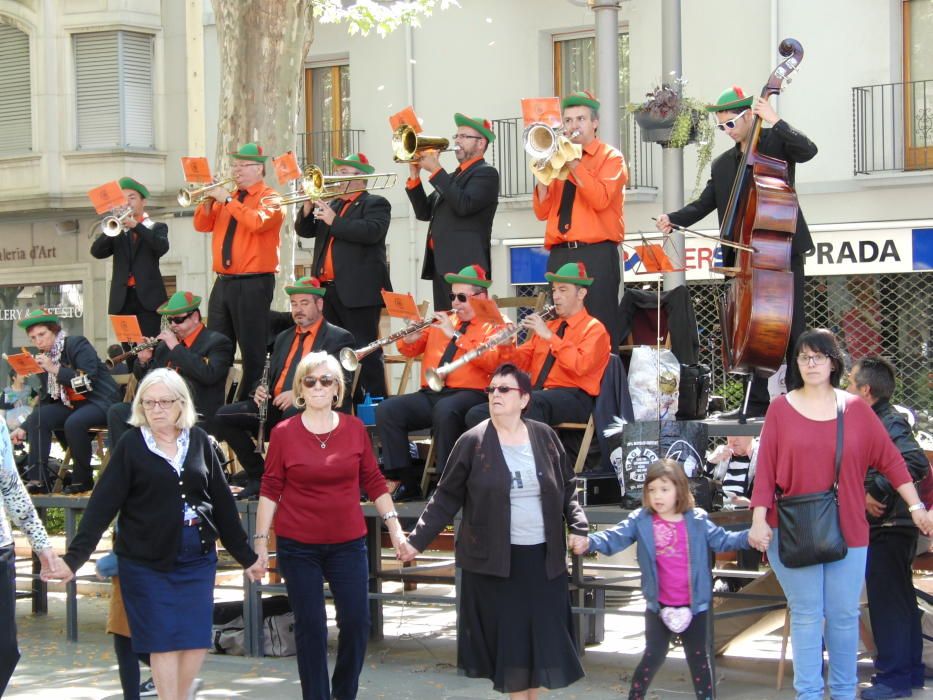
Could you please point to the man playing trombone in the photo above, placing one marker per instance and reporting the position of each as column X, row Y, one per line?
column 136, row 288
column 460, row 209
column 245, row 250
column 350, row 259
column 584, row 211
column 444, row 411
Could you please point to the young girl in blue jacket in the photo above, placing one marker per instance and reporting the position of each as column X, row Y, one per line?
column 673, row 539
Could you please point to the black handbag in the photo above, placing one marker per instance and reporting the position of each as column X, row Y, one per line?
column 694, row 387
column 808, row 525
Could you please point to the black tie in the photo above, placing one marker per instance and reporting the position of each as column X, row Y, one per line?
column 451, row 348
column 299, row 353
column 565, row 213
column 549, row 360
column 226, row 251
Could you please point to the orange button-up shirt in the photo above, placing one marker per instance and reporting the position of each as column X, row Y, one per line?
column 433, row 343
column 327, row 267
column 302, row 339
column 597, row 207
column 189, row 339
column 256, row 242
column 580, row 357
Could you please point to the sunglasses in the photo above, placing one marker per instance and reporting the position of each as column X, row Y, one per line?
column 501, row 389
column 461, row 297
column 732, row 122
column 310, row 382
column 180, row 319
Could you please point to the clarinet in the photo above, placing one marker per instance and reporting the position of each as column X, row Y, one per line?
column 263, row 407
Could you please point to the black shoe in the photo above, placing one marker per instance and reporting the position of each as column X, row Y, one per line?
column 76, row 488
column 37, row 487
column 406, row 492
column 755, row 410
column 250, row 491
column 239, row 479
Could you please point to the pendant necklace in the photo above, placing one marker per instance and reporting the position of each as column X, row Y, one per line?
column 324, row 442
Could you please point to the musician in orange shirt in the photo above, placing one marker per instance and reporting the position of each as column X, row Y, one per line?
column 444, row 411
column 565, row 358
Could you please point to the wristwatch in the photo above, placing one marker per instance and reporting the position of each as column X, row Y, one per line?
column 386, row 517
column 916, row 506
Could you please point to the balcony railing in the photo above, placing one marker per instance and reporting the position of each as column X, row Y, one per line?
column 318, row 147
column 516, row 180
column 893, row 127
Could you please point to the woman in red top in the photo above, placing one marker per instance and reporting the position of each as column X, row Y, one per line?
column 317, row 462
column 796, row 455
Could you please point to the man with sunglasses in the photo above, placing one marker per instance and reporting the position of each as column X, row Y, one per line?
column 565, row 357
column 735, row 113
column 461, row 208
column 201, row 356
column 445, row 411
column 584, row 213
column 238, row 423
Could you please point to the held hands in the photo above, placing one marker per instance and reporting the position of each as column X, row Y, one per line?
column 578, row 544
column 923, row 519
column 397, row 535
column 405, row 551
column 663, row 224
column 255, row 572
column 759, row 536
column 53, row 568
column 17, row 436
column 762, row 108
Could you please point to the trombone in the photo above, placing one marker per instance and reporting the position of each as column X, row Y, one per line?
column 350, row 359
column 315, row 186
column 436, row 377
column 407, row 145
column 112, row 225
column 193, row 195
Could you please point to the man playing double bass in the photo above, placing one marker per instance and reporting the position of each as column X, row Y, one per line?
column 735, row 112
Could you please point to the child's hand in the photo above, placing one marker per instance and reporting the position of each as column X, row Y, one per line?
column 759, row 536
column 578, row 544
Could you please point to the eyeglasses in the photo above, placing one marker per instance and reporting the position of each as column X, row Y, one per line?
column 177, row 320
column 461, row 297
column 164, row 404
column 457, row 137
column 325, row 380
column 501, row 389
column 732, row 122
column 817, row 359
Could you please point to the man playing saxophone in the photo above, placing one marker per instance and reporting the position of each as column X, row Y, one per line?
column 444, row 411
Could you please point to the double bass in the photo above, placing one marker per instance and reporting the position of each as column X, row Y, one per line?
column 757, row 306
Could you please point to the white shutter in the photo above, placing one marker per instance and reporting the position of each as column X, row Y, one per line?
column 136, row 54
column 15, row 91
column 97, row 90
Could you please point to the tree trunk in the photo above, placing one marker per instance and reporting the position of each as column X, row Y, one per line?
column 262, row 52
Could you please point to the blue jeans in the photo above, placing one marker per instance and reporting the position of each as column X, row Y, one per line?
column 344, row 566
column 816, row 594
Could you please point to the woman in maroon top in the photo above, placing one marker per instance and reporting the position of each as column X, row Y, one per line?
column 317, row 462
column 796, row 454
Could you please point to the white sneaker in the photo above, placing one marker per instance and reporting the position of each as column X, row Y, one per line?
column 195, row 688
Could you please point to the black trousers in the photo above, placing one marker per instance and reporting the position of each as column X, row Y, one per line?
column 363, row 323
column 444, row 411
column 604, row 264
column 551, row 406
column 149, row 321
column 128, row 665
column 657, row 643
column 238, row 423
column 76, row 422
column 9, row 649
column 892, row 606
column 239, row 308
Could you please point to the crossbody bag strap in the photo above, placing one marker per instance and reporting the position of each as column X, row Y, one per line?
column 840, row 420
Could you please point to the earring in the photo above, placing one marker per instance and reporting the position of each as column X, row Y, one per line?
column 333, row 400
column 300, row 402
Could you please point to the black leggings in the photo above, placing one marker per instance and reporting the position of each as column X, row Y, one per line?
column 657, row 642
column 128, row 663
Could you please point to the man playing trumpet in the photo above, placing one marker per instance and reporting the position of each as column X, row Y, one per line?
column 444, row 411
column 245, row 249
column 350, row 260
column 136, row 288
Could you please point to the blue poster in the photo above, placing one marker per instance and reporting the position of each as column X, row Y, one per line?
column 527, row 265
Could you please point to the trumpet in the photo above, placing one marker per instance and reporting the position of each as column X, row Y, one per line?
column 407, row 145
column 436, row 377
column 194, row 195
column 315, row 186
column 113, row 225
column 350, row 359
column 112, row 362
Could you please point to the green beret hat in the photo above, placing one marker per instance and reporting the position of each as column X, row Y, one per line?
column 180, row 303
column 37, row 316
column 128, row 183
column 306, row 285
column 249, row 151
column 358, row 161
column 483, row 126
column 732, row 100
column 570, row 273
column 584, row 98
column 471, row 274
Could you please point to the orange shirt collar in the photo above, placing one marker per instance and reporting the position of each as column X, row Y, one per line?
column 465, row 165
column 312, row 329
column 592, row 148
column 352, row 197
column 189, row 339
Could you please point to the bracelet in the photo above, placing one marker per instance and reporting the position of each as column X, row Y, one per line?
column 916, row 506
column 386, row 517
column 261, row 537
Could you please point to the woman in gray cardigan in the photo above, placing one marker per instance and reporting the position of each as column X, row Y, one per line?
column 515, row 485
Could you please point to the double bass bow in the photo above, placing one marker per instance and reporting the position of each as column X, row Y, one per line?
column 757, row 306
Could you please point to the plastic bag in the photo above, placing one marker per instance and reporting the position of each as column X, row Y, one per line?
column 652, row 385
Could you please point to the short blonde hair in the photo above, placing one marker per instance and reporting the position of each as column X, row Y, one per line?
column 311, row 361
column 175, row 384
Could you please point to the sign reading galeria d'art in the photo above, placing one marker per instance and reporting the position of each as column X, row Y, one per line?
column 34, row 252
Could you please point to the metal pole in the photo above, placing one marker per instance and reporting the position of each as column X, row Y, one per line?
column 672, row 158
column 607, row 69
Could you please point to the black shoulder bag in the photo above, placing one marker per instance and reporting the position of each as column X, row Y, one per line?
column 808, row 525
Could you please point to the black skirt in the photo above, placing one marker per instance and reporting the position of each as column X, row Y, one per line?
column 518, row 631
